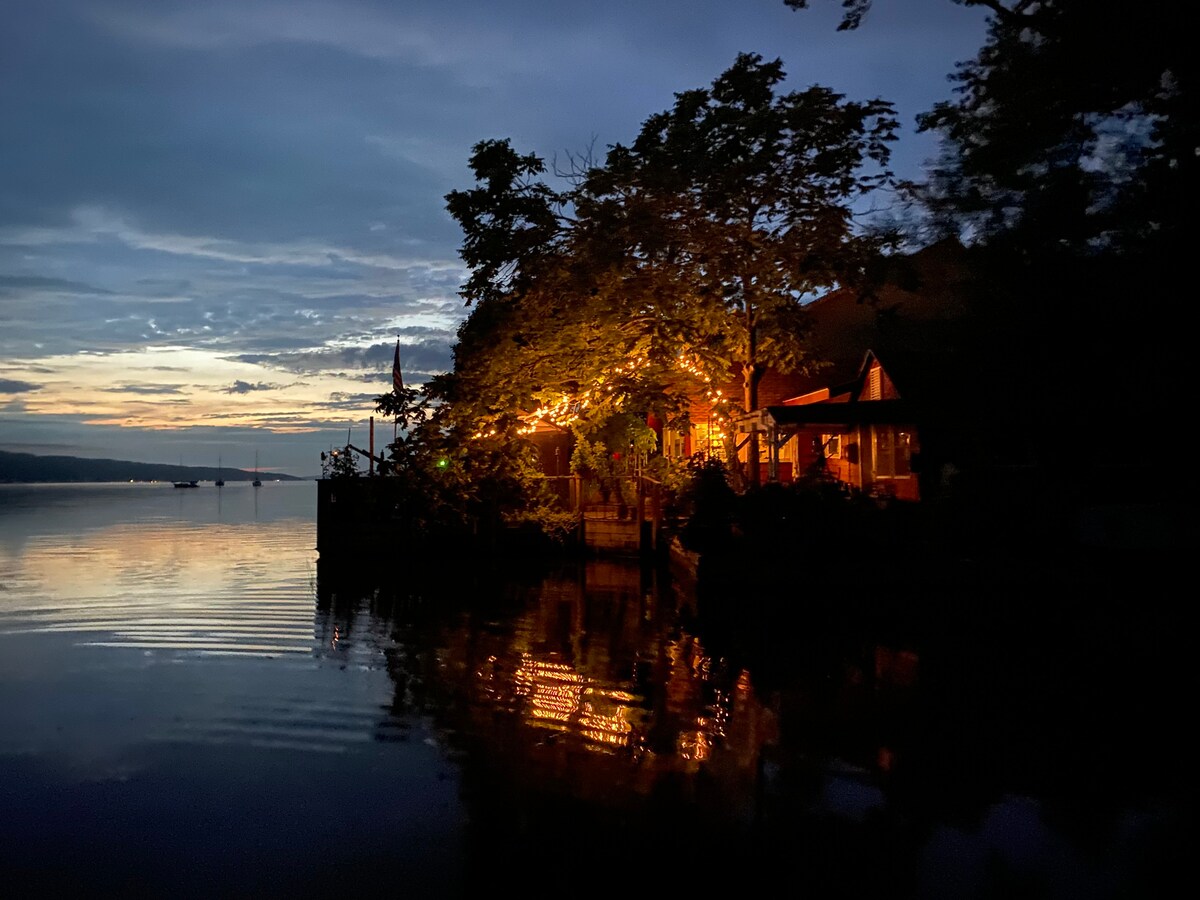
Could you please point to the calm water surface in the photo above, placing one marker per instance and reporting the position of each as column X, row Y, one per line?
column 195, row 704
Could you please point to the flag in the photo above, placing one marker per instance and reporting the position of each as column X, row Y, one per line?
column 397, row 380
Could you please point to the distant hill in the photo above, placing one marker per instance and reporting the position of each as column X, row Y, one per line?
column 26, row 468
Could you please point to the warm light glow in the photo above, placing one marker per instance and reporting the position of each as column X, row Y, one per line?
column 566, row 409
column 694, row 746
column 556, row 695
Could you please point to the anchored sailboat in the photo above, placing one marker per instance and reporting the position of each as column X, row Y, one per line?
column 257, row 480
column 220, row 482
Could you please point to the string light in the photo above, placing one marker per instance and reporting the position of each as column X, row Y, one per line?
column 567, row 409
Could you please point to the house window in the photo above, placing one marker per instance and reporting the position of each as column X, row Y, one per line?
column 831, row 446
column 892, row 448
column 710, row 440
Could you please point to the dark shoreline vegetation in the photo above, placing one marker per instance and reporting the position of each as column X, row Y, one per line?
column 815, row 545
column 29, row 468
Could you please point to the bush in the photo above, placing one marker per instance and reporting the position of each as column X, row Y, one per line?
column 709, row 503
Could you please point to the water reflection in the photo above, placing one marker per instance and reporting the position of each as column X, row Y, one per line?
column 177, row 724
column 147, row 587
column 191, row 686
column 598, row 708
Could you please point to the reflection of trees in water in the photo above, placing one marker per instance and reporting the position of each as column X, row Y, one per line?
column 582, row 680
column 597, row 704
column 571, row 692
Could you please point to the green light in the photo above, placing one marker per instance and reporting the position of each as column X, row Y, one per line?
column 442, row 463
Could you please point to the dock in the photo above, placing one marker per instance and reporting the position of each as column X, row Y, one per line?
column 367, row 514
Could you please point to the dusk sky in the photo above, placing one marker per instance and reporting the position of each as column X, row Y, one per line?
column 216, row 217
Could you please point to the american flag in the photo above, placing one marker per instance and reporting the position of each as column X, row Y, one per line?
column 397, row 380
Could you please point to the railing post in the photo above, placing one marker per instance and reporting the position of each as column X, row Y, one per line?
column 656, row 516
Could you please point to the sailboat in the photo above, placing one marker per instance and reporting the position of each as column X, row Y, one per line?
column 257, row 480
column 220, row 482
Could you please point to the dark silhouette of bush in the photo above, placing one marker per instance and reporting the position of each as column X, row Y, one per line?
column 709, row 502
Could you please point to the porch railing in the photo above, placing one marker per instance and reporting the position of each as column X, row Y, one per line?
column 629, row 498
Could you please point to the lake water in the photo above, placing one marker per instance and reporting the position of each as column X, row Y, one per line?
column 195, row 704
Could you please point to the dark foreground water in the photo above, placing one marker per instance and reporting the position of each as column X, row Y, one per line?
column 195, row 705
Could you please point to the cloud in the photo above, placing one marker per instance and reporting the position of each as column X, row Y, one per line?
column 244, row 387
column 10, row 284
column 90, row 224
column 143, row 389
column 364, row 377
column 312, row 362
column 388, row 33
column 12, row 386
column 351, row 401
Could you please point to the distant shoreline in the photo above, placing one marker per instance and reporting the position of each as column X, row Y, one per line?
column 290, row 479
column 28, row 468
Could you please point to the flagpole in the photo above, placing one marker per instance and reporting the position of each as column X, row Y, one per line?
column 397, row 384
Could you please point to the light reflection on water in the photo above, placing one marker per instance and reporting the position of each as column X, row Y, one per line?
column 185, row 683
column 229, row 583
column 174, row 707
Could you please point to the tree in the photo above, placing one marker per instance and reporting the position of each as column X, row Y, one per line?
column 680, row 257
column 1068, row 156
column 851, row 19
column 1062, row 119
column 732, row 208
column 455, row 482
column 339, row 464
column 1072, row 130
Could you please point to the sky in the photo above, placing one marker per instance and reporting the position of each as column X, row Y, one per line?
column 217, row 218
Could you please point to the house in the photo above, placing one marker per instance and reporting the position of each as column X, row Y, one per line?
column 894, row 403
column 869, row 434
column 892, row 373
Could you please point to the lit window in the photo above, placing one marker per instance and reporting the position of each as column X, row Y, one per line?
column 831, row 446
column 710, row 440
column 892, row 449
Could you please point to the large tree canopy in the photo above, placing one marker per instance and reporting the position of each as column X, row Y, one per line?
column 1069, row 153
column 681, row 257
column 1068, row 125
column 1073, row 129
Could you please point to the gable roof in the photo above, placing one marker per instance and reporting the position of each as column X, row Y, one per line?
column 916, row 301
column 927, row 384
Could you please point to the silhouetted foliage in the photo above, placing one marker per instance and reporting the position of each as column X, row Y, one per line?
column 339, row 464
column 708, row 502
column 855, row 11
column 1066, row 153
column 680, row 258
column 457, row 483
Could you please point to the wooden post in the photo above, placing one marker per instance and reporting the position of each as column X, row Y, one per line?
column 371, row 458
column 641, row 510
column 656, row 515
column 772, row 454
